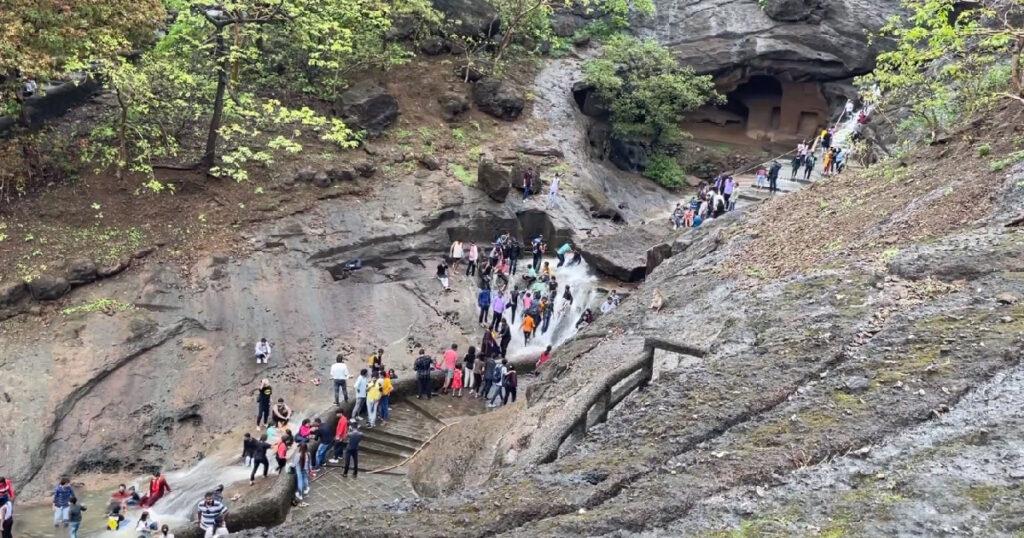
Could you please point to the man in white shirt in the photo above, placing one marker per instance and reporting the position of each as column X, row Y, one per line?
column 339, row 373
column 362, row 383
column 262, row 351
column 608, row 305
column 553, row 191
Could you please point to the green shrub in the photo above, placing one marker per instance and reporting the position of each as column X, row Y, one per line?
column 984, row 150
column 665, row 171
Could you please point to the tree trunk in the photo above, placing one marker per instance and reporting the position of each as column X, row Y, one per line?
column 122, row 137
column 210, row 155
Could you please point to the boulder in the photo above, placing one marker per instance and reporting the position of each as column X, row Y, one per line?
column 856, row 384
column 566, row 24
column 456, row 46
column 791, row 10
column 628, row 155
column 495, row 179
column 81, row 271
column 470, row 18
column 305, row 175
column 365, row 168
column 368, row 106
column 402, row 27
column 498, row 98
column 470, row 73
column 434, row 46
column 738, row 38
column 107, row 271
column 453, row 106
column 658, row 254
column 322, row 180
column 540, row 150
column 336, row 173
column 1007, row 298
column 429, row 162
column 624, row 255
column 48, row 287
column 12, row 293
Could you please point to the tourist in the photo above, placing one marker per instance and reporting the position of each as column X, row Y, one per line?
column 718, row 204
column 826, row 140
column 272, row 433
column 262, row 351
column 553, row 190
column 471, row 258
column 515, row 251
column 449, row 359
column 281, row 413
column 513, row 303
column 362, row 383
column 509, row 385
column 442, row 275
column 456, row 253
column 761, row 177
column 483, row 300
column 387, row 386
column 248, row 449
column 498, row 305
column 325, row 439
column 457, row 381
column 488, row 375
column 506, row 337
column 373, row 395
column 6, row 488
column 144, row 525
column 304, row 433
column 281, row 453
column 562, row 251
column 340, row 375
column 376, row 362
column 211, row 514
column 469, row 361
column 586, row 319
column 538, row 251
column 678, row 217
column 546, row 309
column 497, row 383
column 340, row 437
column 165, row 532
column 114, row 518
column 302, row 467
column 75, row 517
column 608, row 305
column 545, row 356
column 263, row 403
column 528, row 176
column 826, row 162
column 7, row 517
column 352, row 450
column 728, row 186
column 795, row 164
column 478, row 376
column 529, row 324
column 809, row 167
column 422, row 366
column 157, row 488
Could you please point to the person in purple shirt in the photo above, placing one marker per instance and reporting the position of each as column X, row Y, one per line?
column 498, row 306
column 728, row 186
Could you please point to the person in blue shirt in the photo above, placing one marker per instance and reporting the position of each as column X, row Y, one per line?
column 62, row 503
column 561, row 252
column 483, row 300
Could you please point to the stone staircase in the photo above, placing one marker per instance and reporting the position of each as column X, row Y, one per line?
column 384, row 453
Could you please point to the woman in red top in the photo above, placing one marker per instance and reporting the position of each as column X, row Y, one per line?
column 544, row 357
column 157, row 487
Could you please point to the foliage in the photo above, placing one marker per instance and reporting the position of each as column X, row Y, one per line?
column 530, row 20
column 665, row 171
column 230, row 65
column 462, row 174
column 645, row 88
column 107, row 306
column 948, row 62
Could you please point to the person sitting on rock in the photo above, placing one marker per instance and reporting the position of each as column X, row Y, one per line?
column 677, row 217
column 262, row 351
column 442, row 275
column 281, row 413
column 157, row 488
column 608, row 305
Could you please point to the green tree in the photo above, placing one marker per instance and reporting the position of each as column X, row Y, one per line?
column 949, row 59
column 645, row 88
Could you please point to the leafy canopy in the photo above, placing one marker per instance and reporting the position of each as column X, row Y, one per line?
column 645, row 88
column 948, row 61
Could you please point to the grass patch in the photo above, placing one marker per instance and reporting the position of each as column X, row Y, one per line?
column 462, row 174
column 107, row 306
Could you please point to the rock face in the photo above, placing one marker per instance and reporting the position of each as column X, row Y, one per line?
column 793, row 10
column 494, row 179
column 734, row 39
column 368, row 106
column 48, row 287
column 81, row 271
column 625, row 255
column 453, row 106
column 471, row 18
column 629, row 155
column 498, row 98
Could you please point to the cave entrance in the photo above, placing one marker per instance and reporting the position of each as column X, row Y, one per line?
column 762, row 96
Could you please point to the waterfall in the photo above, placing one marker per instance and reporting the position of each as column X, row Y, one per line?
column 584, row 286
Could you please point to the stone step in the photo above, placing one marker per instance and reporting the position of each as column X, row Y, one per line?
column 372, row 446
column 399, row 442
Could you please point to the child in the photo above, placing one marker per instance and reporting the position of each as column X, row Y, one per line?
column 248, row 447
column 457, row 381
column 114, row 518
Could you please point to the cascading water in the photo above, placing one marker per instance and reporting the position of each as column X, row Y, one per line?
column 584, row 287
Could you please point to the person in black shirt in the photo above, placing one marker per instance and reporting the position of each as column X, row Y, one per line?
column 515, row 251
column 259, row 457
column 423, row 365
column 248, row 447
column 352, row 450
column 263, row 403
column 506, row 337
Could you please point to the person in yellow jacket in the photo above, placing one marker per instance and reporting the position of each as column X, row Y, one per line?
column 386, row 388
column 373, row 395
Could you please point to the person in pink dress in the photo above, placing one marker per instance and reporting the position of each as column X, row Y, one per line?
column 457, row 381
